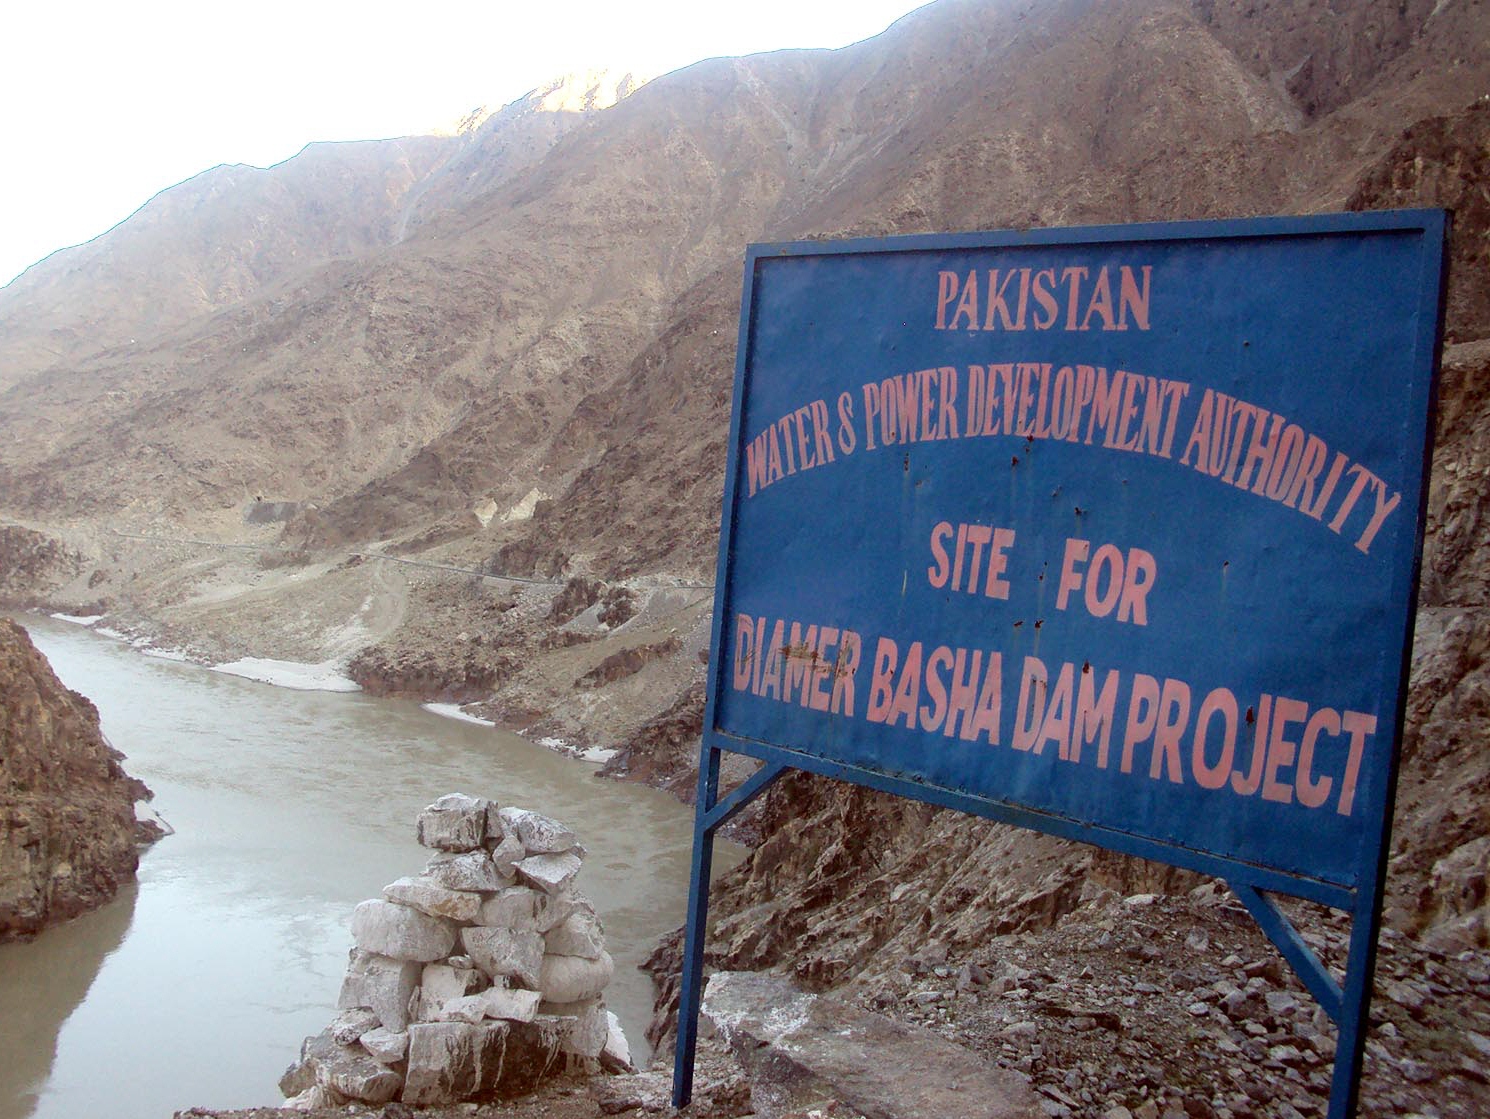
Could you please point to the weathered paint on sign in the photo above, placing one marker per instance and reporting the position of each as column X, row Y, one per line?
column 1118, row 527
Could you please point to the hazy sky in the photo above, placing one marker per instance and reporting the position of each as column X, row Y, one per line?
column 105, row 104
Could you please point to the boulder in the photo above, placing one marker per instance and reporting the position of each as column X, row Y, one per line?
column 533, row 1052
column 455, row 822
column 1460, row 909
column 301, row 1075
column 385, row 1045
column 584, row 1033
column 443, row 982
column 357, row 1076
column 349, row 1026
column 401, row 932
column 467, row 1008
column 494, row 1002
column 515, row 1006
column 580, row 934
column 517, row 908
column 616, row 1056
column 540, row 835
column 558, row 907
column 507, row 854
column 506, row 952
column 574, row 978
column 452, row 1061
column 381, row 984
column 433, row 899
column 315, row 1098
column 495, row 829
column 550, row 873
column 570, row 1009
column 468, row 870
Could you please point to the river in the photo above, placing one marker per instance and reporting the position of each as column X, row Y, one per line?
column 196, row 986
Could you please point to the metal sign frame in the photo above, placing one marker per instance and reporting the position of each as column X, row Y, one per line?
column 1354, row 882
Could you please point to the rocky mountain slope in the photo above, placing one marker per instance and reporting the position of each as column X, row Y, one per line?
column 517, row 362
column 67, row 820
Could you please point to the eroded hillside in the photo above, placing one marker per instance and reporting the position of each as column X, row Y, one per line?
column 67, row 819
column 518, row 360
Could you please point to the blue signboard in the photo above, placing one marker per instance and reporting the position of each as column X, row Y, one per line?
column 1113, row 533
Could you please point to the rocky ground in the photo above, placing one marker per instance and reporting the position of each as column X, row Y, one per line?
column 68, row 833
column 1162, row 1003
column 578, row 439
column 578, row 661
column 1177, row 1005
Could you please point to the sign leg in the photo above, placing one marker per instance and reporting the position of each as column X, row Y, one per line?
column 1360, row 972
column 696, row 929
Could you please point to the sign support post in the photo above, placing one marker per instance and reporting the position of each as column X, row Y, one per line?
column 710, row 815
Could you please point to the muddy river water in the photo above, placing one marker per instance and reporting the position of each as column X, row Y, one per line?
column 196, row 986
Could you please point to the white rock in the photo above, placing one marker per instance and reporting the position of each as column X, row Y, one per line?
column 515, row 1006
column 574, row 978
column 540, row 834
column 579, row 935
column 386, row 1046
column 570, row 1009
column 357, row 1076
column 442, row 982
column 558, row 908
column 617, row 1049
column 381, row 984
column 505, row 952
column 350, row 1025
column 517, row 907
column 455, row 822
column 550, row 873
column 453, row 1061
column 301, row 1075
column 533, row 1054
column 467, row 1008
column 467, row 870
column 433, row 899
column 495, row 1002
column 495, row 829
column 584, row 1034
column 401, row 932
column 507, row 854
column 315, row 1098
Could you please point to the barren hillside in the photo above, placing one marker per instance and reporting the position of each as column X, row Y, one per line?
column 247, row 409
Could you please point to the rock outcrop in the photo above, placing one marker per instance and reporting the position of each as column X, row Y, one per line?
column 32, row 563
column 68, row 834
column 476, row 979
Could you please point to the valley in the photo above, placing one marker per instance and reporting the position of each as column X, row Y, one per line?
column 449, row 416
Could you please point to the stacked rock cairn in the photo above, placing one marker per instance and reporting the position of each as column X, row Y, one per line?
column 472, row 981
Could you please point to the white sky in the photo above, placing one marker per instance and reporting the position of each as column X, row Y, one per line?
column 103, row 104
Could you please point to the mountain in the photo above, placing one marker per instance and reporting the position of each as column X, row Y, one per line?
column 426, row 324
column 244, row 417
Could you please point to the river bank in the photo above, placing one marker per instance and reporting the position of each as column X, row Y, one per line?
column 577, row 664
column 289, row 808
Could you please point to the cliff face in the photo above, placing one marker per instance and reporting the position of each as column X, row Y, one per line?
column 67, row 823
